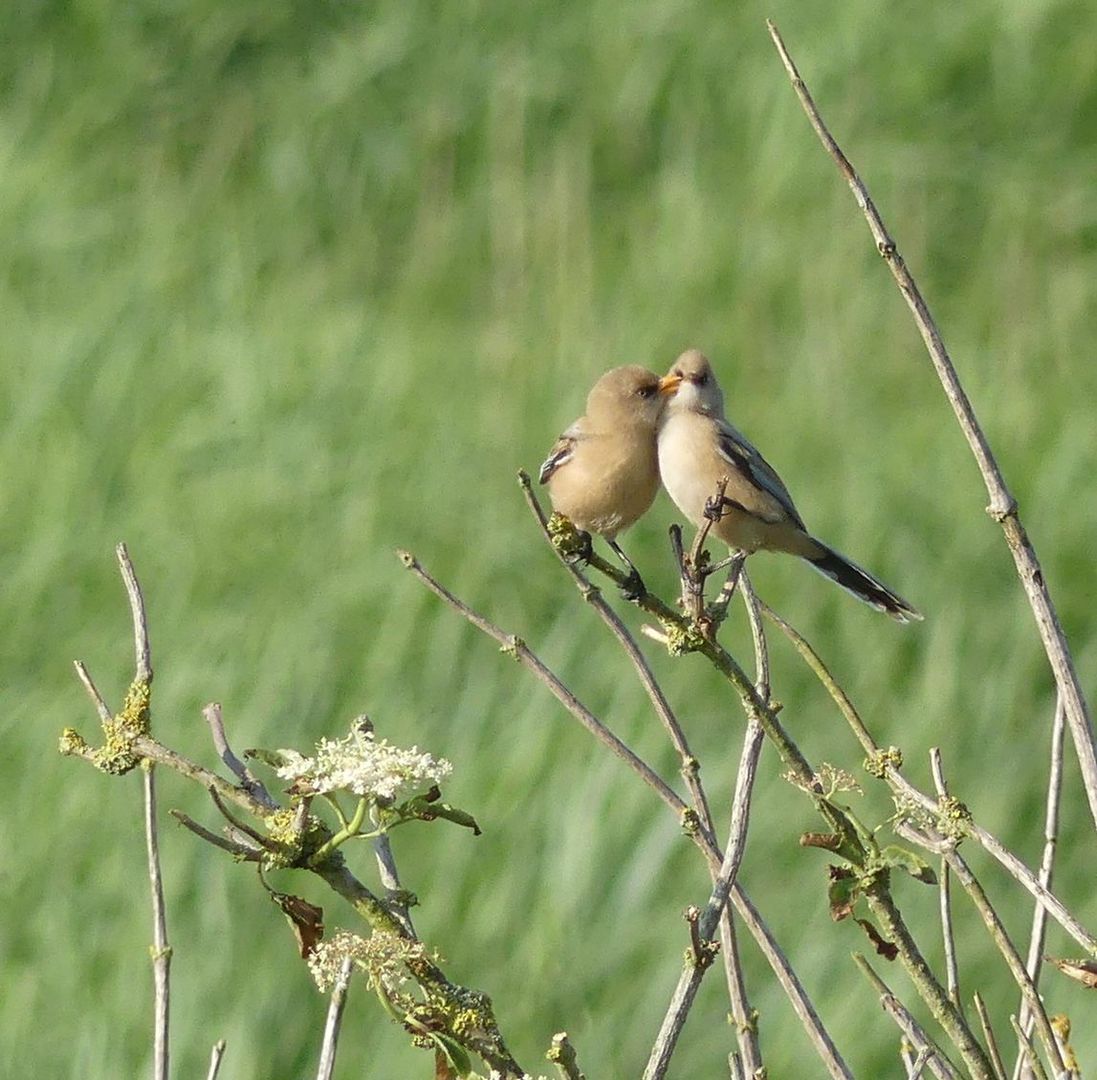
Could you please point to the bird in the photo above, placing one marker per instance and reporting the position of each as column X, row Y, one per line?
column 603, row 472
column 697, row 447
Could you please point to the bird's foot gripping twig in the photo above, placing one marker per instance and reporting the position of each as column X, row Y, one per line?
column 633, row 587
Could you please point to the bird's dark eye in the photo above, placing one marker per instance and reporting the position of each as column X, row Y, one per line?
column 646, row 391
column 702, row 379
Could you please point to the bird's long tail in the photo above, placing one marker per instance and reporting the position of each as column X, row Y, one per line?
column 860, row 583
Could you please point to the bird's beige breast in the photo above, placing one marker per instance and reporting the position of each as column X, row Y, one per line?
column 605, row 488
column 692, row 468
column 688, row 464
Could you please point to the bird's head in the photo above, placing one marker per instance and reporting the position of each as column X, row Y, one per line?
column 627, row 395
column 691, row 386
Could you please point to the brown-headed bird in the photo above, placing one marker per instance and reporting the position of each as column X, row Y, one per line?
column 603, row 472
column 697, row 447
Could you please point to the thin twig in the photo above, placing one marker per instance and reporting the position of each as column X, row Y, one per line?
column 937, row 1060
column 988, row 1035
column 918, row 1065
column 1033, row 963
column 237, row 850
column 101, row 707
column 952, row 971
column 593, row 596
column 790, row 983
column 334, row 1021
column 690, row 980
column 562, row 1055
column 161, row 950
column 743, row 1015
column 1028, row 1051
column 1003, row 506
column 216, row 1054
column 248, row 780
column 517, row 648
column 141, row 650
column 1009, row 951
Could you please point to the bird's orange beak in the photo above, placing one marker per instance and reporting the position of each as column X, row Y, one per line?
column 668, row 384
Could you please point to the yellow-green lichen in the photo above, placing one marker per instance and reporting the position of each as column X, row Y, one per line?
column 953, row 818
column 566, row 538
column 117, row 755
column 877, row 764
column 292, row 843
column 682, row 639
column 72, row 742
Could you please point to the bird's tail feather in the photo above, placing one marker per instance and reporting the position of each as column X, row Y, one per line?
column 860, row 583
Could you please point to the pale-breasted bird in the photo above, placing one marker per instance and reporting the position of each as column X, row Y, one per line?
column 603, row 472
column 697, row 447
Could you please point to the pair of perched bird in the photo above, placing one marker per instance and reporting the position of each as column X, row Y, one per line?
column 603, row 473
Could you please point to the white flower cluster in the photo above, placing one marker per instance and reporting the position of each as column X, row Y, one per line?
column 361, row 764
column 383, row 956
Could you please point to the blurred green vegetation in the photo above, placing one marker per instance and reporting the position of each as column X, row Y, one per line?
column 285, row 286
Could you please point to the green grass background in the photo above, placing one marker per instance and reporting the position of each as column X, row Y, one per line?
column 284, row 286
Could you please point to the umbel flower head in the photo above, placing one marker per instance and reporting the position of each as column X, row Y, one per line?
column 365, row 766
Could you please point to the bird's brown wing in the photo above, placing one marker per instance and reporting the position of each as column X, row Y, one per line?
column 738, row 451
column 561, row 452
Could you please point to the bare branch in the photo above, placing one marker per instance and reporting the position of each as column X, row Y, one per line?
column 1003, row 507
column 593, row 596
column 742, row 1013
column 690, row 979
column 726, row 665
column 334, row 1020
column 161, row 950
column 790, row 983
